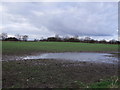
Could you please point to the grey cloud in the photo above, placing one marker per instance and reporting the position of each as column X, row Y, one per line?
column 92, row 19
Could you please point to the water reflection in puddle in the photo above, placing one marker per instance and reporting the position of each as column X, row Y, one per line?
column 92, row 57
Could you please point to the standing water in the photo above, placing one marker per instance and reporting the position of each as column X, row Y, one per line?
column 88, row 57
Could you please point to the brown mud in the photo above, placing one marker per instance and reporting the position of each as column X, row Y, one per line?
column 54, row 73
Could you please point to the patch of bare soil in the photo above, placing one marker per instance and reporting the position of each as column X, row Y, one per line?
column 54, row 73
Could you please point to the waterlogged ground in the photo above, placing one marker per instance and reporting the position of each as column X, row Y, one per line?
column 42, row 65
column 58, row 70
column 72, row 56
column 55, row 74
column 75, row 56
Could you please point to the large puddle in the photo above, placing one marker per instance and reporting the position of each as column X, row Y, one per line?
column 87, row 57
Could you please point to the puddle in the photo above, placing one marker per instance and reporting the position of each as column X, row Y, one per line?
column 88, row 57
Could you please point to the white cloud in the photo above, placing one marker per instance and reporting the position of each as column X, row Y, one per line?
column 38, row 13
column 1, row 9
column 1, row 28
column 47, row 19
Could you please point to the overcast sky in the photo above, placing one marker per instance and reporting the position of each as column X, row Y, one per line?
column 45, row 19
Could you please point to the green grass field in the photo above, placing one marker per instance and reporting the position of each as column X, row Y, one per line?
column 31, row 47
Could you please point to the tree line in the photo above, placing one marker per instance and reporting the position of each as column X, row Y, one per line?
column 56, row 38
column 4, row 37
column 76, row 39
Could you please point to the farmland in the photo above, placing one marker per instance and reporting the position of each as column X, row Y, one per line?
column 33, row 47
column 44, row 73
column 58, row 74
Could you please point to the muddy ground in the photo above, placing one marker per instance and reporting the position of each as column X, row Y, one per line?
column 54, row 73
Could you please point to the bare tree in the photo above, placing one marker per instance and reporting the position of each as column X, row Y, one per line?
column 87, row 38
column 25, row 37
column 18, row 36
column 56, row 36
column 113, row 41
column 36, row 40
column 3, row 36
column 102, row 41
column 76, row 37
